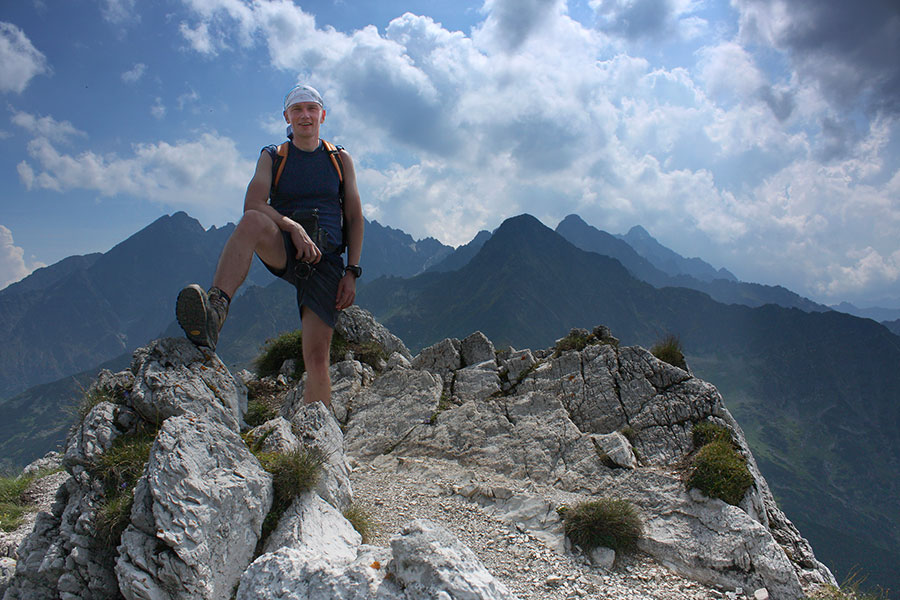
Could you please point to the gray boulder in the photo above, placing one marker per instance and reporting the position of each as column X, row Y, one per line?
column 175, row 377
column 431, row 563
column 197, row 514
column 475, row 349
column 316, row 427
column 424, row 562
column 358, row 325
column 298, row 574
column 312, row 524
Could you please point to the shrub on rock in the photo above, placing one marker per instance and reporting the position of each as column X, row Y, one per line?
column 605, row 522
column 719, row 471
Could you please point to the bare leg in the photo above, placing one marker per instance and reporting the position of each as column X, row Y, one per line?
column 255, row 233
column 316, row 348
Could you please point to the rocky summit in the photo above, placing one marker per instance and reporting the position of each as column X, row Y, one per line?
column 165, row 495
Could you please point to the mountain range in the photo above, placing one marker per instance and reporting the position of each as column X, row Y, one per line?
column 814, row 389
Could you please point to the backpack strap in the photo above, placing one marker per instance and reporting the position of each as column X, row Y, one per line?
column 281, row 153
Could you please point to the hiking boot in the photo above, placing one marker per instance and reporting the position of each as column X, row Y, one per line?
column 201, row 315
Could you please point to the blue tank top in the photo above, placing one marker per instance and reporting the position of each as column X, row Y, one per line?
column 309, row 181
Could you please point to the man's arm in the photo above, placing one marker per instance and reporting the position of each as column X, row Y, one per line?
column 353, row 217
column 257, row 199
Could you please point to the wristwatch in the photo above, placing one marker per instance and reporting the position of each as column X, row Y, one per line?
column 355, row 269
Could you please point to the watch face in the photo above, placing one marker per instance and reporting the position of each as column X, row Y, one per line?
column 355, row 269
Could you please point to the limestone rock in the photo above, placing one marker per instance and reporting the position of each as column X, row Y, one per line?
column 387, row 412
column 616, row 448
column 431, row 563
column 275, row 435
column 297, row 574
column 311, row 523
column 315, row 426
column 517, row 364
column 479, row 381
column 7, row 569
column 197, row 514
column 603, row 558
column 442, row 359
column 358, row 325
column 475, row 349
column 175, row 377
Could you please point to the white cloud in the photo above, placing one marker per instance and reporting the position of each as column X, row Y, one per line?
column 47, row 127
column 158, row 110
column 536, row 112
column 135, row 73
column 205, row 176
column 20, row 61
column 119, row 12
column 12, row 262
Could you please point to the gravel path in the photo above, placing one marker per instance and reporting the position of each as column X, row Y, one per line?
column 392, row 497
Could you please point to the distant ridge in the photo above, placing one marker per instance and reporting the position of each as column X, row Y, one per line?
column 725, row 290
column 670, row 262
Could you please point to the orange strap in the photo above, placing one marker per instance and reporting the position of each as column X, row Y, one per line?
column 332, row 150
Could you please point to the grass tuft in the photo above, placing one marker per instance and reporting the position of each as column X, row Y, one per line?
column 293, row 473
column 362, row 522
column 719, row 471
column 13, row 504
column 669, row 350
column 605, row 522
column 277, row 350
column 119, row 469
column 706, row 432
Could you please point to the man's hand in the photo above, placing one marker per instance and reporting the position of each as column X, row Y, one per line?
column 307, row 251
column 346, row 291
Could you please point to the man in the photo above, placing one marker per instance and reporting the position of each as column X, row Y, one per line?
column 308, row 189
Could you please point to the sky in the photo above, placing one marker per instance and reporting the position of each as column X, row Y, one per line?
column 760, row 135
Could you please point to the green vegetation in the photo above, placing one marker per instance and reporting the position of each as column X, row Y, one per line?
column 705, row 432
column 13, row 504
column 293, row 473
column 286, row 346
column 90, row 398
column 259, row 411
column 605, row 522
column 362, row 522
column 119, row 468
column 719, row 471
column 290, row 346
column 576, row 340
column 669, row 350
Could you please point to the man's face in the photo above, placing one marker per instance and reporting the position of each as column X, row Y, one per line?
column 305, row 118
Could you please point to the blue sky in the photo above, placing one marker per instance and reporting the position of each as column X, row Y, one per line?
column 760, row 135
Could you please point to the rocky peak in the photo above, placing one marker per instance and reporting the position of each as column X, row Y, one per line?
column 517, row 434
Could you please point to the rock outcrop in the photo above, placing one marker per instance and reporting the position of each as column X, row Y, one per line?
column 572, row 425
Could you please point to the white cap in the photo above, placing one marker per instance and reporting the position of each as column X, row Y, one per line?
column 302, row 93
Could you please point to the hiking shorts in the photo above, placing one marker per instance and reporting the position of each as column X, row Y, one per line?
column 317, row 285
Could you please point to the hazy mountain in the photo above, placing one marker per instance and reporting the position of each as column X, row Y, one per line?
column 875, row 313
column 669, row 261
column 389, row 251
column 724, row 289
column 462, row 255
column 85, row 310
column 816, row 393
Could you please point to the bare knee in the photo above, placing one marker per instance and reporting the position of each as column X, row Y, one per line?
column 255, row 224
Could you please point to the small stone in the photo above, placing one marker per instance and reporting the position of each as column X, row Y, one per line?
column 761, row 594
column 553, row 581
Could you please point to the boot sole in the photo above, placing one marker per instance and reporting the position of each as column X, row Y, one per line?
column 191, row 310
